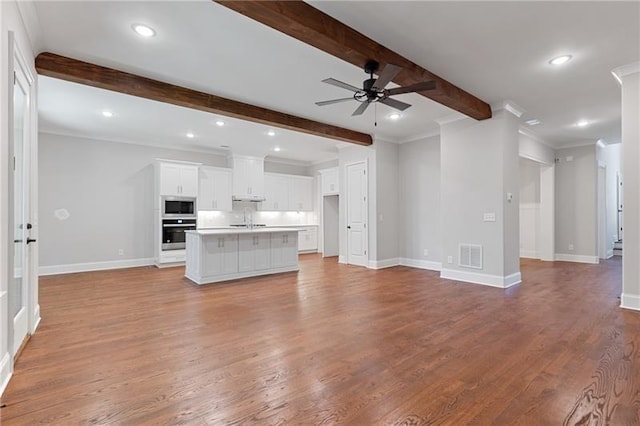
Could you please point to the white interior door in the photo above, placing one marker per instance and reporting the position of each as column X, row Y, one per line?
column 357, row 212
column 19, row 184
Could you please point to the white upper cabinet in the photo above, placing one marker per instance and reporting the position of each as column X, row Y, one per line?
column 330, row 179
column 300, row 193
column 276, row 193
column 248, row 177
column 287, row 193
column 214, row 189
column 178, row 179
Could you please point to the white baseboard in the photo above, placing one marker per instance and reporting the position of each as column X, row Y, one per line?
column 342, row 259
column 421, row 264
column 94, row 266
column 529, row 254
column 36, row 319
column 484, row 279
column 5, row 372
column 630, row 301
column 577, row 258
column 609, row 254
column 386, row 263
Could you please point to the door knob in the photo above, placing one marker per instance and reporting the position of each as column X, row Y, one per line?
column 31, row 240
column 348, row 227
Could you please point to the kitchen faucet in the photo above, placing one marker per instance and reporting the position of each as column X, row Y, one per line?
column 248, row 214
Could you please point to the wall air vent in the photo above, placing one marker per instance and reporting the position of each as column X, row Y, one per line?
column 470, row 256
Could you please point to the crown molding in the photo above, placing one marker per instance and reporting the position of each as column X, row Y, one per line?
column 420, row 137
column 55, row 132
column 509, row 106
column 533, row 135
column 578, row 144
column 626, row 70
column 288, row 161
column 455, row 116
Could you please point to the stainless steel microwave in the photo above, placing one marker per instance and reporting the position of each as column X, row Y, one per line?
column 179, row 206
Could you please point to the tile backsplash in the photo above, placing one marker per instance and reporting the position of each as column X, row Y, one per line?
column 212, row 219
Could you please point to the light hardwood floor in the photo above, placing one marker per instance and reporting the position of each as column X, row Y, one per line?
column 332, row 344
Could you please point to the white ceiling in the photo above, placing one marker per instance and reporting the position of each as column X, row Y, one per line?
column 495, row 50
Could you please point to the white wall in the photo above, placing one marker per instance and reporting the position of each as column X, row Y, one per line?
column 576, row 209
column 529, row 208
column 419, row 201
column 479, row 163
column 107, row 188
column 386, row 201
column 11, row 20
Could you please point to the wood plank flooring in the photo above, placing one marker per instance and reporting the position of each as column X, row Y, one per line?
column 332, row 344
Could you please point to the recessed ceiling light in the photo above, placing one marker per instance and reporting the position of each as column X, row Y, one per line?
column 582, row 123
column 107, row 113
column 276, row 149
column 560, row 60
column 143, row 30
column 224, row 146
column 271, row 133
column 394, row 116
column 191, row 135
column 533, row 122
column 219, row 123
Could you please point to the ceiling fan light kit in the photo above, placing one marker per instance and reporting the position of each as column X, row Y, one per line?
column 373, row 89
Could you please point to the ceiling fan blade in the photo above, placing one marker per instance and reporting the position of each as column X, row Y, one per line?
column 333, row 101
column 418, row 87
column 386, row 76
column 338, row 83
column 363, row 106
column 393, row 103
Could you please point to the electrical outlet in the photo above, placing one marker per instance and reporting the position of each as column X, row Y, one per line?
column 120, row 252
column 570, row 246
column 450, row 259
column 425, row 252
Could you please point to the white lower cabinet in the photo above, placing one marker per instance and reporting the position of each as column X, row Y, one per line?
column 308, row 239
column 221, row 253
column 284, row 249
column 254, row 252
column 216, row 255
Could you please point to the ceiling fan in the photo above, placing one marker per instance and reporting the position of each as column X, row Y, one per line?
column 373, row 89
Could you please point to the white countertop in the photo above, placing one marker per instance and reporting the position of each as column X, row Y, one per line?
column 227, row 231
column 289, row 226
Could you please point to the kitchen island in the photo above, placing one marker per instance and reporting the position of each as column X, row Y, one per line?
column 214, row 255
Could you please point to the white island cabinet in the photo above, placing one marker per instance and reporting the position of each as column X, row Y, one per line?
column 216, row 255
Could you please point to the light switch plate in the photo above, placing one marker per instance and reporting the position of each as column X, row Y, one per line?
column 489, row 217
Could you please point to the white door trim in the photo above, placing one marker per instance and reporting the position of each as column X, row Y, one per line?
column 28, row 316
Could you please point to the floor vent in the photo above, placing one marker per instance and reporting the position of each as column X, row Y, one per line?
column 470, row 256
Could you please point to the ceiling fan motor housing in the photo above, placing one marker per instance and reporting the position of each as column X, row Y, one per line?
column 371, row 66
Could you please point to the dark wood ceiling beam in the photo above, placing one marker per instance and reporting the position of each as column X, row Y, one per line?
column 76, row 71
column 309, row 25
